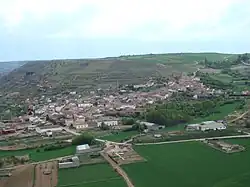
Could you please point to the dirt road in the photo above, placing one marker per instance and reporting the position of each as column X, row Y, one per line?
column 241, row 116
column 118, row 169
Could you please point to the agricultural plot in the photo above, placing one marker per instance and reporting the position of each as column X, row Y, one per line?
column 120, row 136
column 225, row 78
column 23, row 176
column 40, row 155
column 46, row 174
column 90, row 176
column 190, row 164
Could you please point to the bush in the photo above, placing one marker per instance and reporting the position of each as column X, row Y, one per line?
column 85, row 138
column 54, row 147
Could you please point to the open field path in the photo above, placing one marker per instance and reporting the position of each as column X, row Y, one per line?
column 193, row 140
column 241, row 116
column 118, row 169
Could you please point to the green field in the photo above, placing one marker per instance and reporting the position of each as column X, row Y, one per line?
column 40, row 156
column 223, row 112
column 97, row 175
column 225, row 78
column 191, row 165
column 120, row 136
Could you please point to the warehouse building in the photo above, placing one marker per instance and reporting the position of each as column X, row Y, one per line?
column 206, row 126
column 49, row 128
column 212, row 125
column 83, row 149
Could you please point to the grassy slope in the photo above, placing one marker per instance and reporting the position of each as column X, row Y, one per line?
column 190, row 164
column 40, row 156
column 83, row 73
column 86, row 175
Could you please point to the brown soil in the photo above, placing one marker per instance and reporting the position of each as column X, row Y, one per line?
column 46, row 174
column 14, row 147
column 21, row 177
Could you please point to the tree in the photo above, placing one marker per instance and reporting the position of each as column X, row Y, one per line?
column 248, row 123
column 104, row 126
column 85, row 138
column 139, row 127
column 1, row 163
column 128, row 121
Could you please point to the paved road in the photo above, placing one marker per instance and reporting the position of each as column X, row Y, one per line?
column 107, row 141
column 193, row 140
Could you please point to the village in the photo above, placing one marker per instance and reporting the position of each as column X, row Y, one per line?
column 51, row 123
column 65, row 115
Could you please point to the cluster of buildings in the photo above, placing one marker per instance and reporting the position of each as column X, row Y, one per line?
column 74, row 161
column 51, row 114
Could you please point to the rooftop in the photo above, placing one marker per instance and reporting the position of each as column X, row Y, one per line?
column 83, row 147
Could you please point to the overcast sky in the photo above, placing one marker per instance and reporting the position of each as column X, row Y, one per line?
column 49, row 29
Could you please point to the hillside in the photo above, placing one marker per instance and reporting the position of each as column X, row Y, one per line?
column 6, row 67
column 81, row 74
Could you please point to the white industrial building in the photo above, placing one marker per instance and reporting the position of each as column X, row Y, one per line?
column 212, row 125
column 82, row 149
column 85, row 148
column 205, row 126
column 51, row 128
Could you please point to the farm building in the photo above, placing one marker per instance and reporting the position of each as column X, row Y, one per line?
column 51, row 128
column 193, row 127
column 212, row 125
column 69, row 163
column 82, row 148
column 151, row 126
column 205, row 126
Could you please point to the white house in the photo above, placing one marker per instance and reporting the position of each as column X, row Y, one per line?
column 108, row 123
column 77, row 124
column 80, row 126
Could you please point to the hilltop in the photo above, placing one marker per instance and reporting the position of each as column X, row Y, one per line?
column 82, row 74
